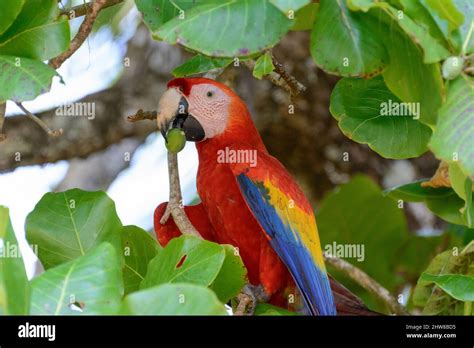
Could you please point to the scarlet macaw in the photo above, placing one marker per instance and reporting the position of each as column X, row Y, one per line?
column 254, row 205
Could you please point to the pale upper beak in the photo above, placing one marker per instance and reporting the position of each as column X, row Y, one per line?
column 173, row 113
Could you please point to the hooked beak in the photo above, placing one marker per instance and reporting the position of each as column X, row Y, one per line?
column 173, row 113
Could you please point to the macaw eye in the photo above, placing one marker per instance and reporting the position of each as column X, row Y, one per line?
column 210, row 94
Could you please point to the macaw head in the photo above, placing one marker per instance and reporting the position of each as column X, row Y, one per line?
column 201, row 107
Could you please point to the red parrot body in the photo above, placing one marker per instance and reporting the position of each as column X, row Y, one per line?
column 256, row 207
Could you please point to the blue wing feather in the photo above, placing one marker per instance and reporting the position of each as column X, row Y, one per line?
column 285, row 240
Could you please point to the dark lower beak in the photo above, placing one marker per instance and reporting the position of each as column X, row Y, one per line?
column 189, row 124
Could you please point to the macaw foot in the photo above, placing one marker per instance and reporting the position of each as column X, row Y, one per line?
column 248, row 299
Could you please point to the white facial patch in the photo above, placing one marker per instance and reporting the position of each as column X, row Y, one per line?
column 209, row 105
column 167, row 107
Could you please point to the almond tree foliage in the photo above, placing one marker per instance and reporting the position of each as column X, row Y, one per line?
column 406, row 88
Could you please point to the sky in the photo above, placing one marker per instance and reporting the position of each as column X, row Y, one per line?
column 138, row 189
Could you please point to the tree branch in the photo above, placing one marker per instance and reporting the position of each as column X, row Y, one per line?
column 364, row 280
column 82, row 34
column 175, row 203
column 280, row 78
column 141, row 115
column 82, row 10
column 39, row 122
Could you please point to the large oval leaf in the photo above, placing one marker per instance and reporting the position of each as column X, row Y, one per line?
column 200, row 64
column 232, row 276
column 91, row 284
column 442, row 201
column 227, row 28
column 458, row 286
column 14, row 287
column 173, row 299
column 369, row 113
column 65, row 225
column 37, row 32
column 9, row 9
column 345, row 43
column 42, row 43
column 139, row 248
column 186, row 259
column 409, row 78
column 23, row 79
column 453, row 138
column 155, row 13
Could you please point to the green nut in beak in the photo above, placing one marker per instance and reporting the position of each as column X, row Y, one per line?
column 175, row 140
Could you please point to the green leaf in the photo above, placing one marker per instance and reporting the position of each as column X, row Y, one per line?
column 442, row 201
column 458, row 286
column 305, row 17
column 466, row 34
column 23, row 79
column 14, row 287
column 263, row 66
column 367, row 112
column 434, row 51
column 186, row 259
column 416, row 254
column 200, row 64
column 228, row 28
column 462, row 185
column 289, row 5
column 9, row 10
column 428, row 295
column 65, row 225
column 453, row 138
column 417, row 12
column 155, row 13
column 173, row 299
column 32, row 15
column 139, row 248
column 268, row 309
column 414, row 192
column 232, row 276
column 445, row 14
column 36, row 33
column 346, row 43
column 358, row 216
column 41, row 43
column 462, row 233
column 90, row 284
column 409, row 78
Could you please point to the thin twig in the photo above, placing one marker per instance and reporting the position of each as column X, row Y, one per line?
column 280, row 78
column 142, row 115
column 364, row 280
column 175, row 203
column 244, row 301
column 296, row 87
column 82, row 34
column 38, row 121
column 82, row 10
